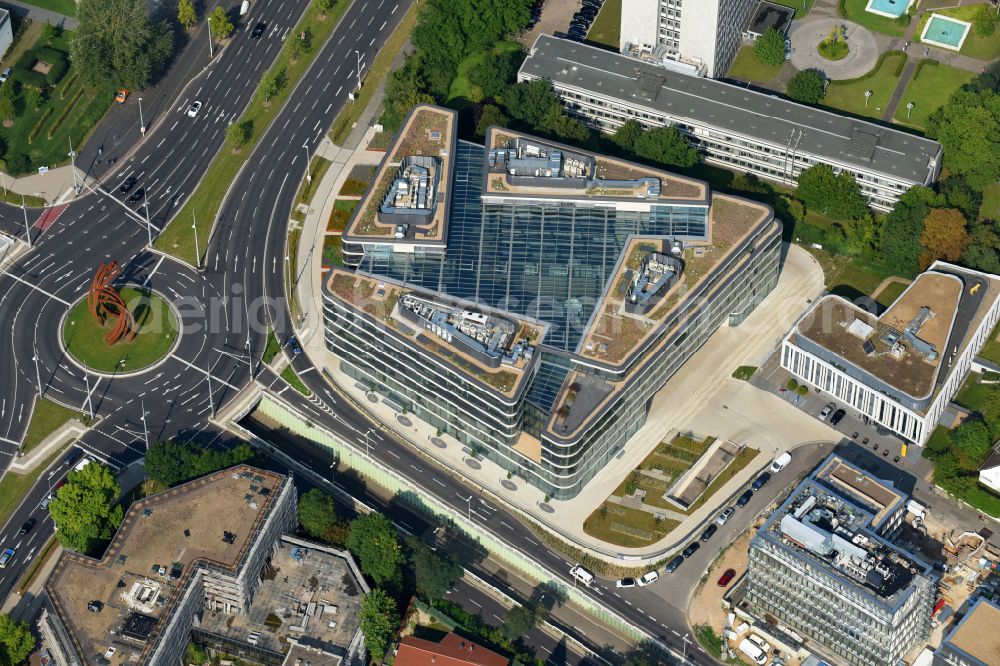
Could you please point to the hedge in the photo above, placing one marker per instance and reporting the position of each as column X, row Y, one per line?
column 841, row 9
column 38, row 125
column 65, row 112
column 57, row 71
column 929, row 62
column 68, row 86
column 878, row 66
column 31, row 78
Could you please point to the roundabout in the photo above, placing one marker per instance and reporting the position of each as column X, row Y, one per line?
column 851, row 54
column 83, row 337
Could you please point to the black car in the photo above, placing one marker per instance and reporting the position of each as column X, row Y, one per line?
column 709, row 531
column 759, row 482
column 27, row 526
column 674, row 563
column 744, row 499
column 127, row 185
column 691, row 549
column 72, row 457
column 258, row 30
column 837, row 417
column 137, row 196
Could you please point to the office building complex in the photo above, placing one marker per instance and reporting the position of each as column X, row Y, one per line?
column 552, row 297
column 732, row 126
column 824, row 565
column 192, row 563
column 899, row 369
column 975, row 640
column 703, row 33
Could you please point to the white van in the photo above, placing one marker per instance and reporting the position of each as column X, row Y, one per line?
column 83, row 463
column 245, row 7
column 582, row 575
column 756, row 655
column 780, row 462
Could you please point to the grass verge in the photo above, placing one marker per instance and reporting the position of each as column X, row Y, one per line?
column 39, row 561
column 288, row 374
column 606, row 30
column 271, row 349
column 46, row 417
column 13, row 486
column 929, row 89
column 317, row 169
column 177, row 239
column 380, row 66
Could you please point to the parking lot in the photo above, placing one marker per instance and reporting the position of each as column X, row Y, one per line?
column 555, row 20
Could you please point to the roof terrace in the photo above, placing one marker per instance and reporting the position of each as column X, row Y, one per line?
column 904, row 346
column 525, row 166
column 408, row 198
column 158, row 546
column 494, row 348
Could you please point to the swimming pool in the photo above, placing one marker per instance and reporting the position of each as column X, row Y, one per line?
column 946, row 32
column 888, row 8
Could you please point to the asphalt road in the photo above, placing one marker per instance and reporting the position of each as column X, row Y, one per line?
column 243, row 279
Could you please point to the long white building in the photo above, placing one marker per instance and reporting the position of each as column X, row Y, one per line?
column 732, row 126
column 703, row 33
column 902, row 368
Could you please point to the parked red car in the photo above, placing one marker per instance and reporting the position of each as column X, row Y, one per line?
column 728, row 576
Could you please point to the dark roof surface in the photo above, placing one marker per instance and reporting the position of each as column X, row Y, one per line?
column 828, row 135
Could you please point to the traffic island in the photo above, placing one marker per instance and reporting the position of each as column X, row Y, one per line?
column 83, row 336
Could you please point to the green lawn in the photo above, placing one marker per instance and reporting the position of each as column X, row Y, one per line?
column 627, row 527
column 462, row 90
column 307, row 188
column 606, row 30
column 177, row 239
column 46, row 418
column 928, row 91
column 13, row 486
column 271, row 349
column 990, row 210
column 68, row 114
column 64, row 7
column 288, row 374
column 891, row 293
column 887, row 26
column 850, row 95
column 975, row 45
column 991, row 350
column 84, row 337
column 973, row 395
column 801, row 7
column 341, row 213
column 333, row 253
column 748, row 67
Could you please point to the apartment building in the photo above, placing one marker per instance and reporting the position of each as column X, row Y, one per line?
column 825, row 566
column 902, row 367
column 732, row 126
column 704, row 33
column 562, row 290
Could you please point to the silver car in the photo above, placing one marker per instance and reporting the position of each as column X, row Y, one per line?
column 826, row 411
column 725, row 515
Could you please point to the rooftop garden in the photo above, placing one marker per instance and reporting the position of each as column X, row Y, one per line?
column 416, row 137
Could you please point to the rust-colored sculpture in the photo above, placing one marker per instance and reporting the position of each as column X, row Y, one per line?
column 104, row 301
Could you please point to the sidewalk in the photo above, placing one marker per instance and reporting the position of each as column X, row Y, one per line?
column 71, row 430
column 55, row 185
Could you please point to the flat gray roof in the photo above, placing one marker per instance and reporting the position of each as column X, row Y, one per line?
column 733, row 108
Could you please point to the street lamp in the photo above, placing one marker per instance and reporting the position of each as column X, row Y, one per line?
column 309, row 176
column 211, row 397
column 368, row 445
column 359, row 68
column 197, row 250
column 468, row 501
column 72, row 161
column 38, row 373
column 90, row 403
column 142, row 125
column 686, row 641
column 27, row 229
column 909, row 107
column 868, row 94
column 149, row 227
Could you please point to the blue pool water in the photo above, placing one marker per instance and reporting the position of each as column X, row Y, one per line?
column 888, row 7
column 943, row 30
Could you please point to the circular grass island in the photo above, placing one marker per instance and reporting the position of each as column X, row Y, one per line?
column 834, row 49
column 83, row 336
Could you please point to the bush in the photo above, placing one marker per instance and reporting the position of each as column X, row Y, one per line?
column 29, row 77
column 770, row 47
column 808, row 86
column 18, row 164
column 38, row 125
column 841, row 9
column 57, row 71
column 802, row 389
column 65, row 112
column 903, row 20
column 985, row 21
column 792, row 384
column 927, row 62
column 744, row 372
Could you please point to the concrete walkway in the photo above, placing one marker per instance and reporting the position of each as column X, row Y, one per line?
column 55, row 186
column 807, row 34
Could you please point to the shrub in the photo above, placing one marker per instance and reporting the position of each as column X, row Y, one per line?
column 38, row 125
column 903, row 20
column 18, row 164
column 57, row 71
column 792, row 384
column 67, row 86
column 985, row 21
column 927, row 62
column 802, row 390
column 744, row 372
column 901, row 65
column 29, row 77
column 65, row 112
column 841, row 9
column 770, row 47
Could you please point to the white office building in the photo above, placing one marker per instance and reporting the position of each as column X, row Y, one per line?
column 704, row 33
column 901, row 368
column 732, row 126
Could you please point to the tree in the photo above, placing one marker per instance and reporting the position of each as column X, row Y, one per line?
column 33, row 97
column 272, row 84
column 983, row 252
column 324, row 6
column 16, row 641
column 490, row 115
column 972, row 438
column 238, row 134
column 838, row 196
column 530, row 101
column 49, row 32
column 496, row 72
column 404, row 89
column 372, row 539
column 628, row 136
column 317, row 513
column 666, row 145
column 172, row 462
column 968, row 127
column 187, row 15
column 378, row 620
column 520, row 620
column 899, row 240
column 86, row 508
column 770, row 47
column 18, row 163
column 557, row 123
column 220, row 24
column 301, row 45
column 808, row 86
column 434, row 573
column 959, row 194
column 116, row 45
column 944, row 236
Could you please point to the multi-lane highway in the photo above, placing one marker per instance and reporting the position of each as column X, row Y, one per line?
column 242, row 279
